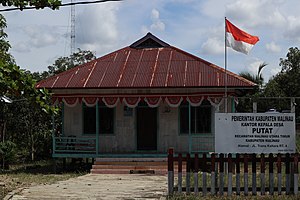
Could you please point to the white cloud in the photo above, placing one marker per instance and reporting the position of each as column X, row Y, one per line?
column 253, row 66
column 40, row 36
column 293, row 28
column 154, row 14
column 256, row 13
column 21, row 47
column 97, row 28
column 272, row 47
column 156, row 25
column 213, row 46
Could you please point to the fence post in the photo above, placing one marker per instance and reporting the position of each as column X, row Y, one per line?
column 287, row 174
column 271, row 174
column 254, row 191
column 196, row 167
column 221, row 188
column 262, row 174
column 238, row 171
column 245, row 174
column 279, row 175
column 179, row 172
column 170, row 171
column 213, row 175
column 204, row 170
column 229, row 174
column 188, row 173
column 296, row 174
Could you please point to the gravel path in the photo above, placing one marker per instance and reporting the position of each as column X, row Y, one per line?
column 99, row 186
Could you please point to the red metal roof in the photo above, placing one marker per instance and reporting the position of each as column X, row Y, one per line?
column 163, row 66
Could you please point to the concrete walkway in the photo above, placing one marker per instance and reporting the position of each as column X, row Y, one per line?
column 99, row 186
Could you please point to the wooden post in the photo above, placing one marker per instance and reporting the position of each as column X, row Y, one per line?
column 254, row 106
column 296, row 174
column 196, row 167
column 293, row 105
column 271, row 174
column 287, row 174
column 221, row 188
column 204, row 175
column 170, row 171
column 279, row 175
column 238, row 171
column 254, row 191
column 188, row 173
column 180, row 173
column 229, row 192
column 245, row 174
column 262, row 174
column 213, row 178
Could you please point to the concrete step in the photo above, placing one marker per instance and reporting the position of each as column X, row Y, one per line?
column 128, row 171
column 131, row 163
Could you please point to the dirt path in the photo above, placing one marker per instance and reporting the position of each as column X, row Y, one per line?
column 106, row 186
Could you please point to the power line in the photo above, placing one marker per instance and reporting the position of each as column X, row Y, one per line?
column 62, row 5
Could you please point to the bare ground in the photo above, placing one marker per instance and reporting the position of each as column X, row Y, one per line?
column 100, row 186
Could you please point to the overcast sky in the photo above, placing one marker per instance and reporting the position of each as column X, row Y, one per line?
column 39, row 37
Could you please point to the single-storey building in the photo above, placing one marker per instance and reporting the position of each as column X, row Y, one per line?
column 141, row 100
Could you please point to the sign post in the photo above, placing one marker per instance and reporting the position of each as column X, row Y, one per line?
column 255, row 133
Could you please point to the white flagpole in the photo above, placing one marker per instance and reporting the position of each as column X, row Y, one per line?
column 226, row 106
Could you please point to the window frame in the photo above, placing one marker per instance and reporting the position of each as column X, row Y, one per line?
column 99, row 106
column 186, row 105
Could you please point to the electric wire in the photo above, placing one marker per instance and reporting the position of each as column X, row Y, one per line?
column 62, row 5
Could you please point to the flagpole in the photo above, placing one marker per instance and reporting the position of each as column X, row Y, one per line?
column 226, row 105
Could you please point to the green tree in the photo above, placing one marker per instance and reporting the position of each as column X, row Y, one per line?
column 287, row 82
column 64, row 63
column 245, row 103
column 32, row 131
column 255, row 78
column 289, row 77
column 39, row 4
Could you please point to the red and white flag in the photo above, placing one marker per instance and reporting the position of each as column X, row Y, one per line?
column 239, row 40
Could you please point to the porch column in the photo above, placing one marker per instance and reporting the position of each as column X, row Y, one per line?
column 97, row 128
column 190, row 131
column 53, row 134
column 232, row 105
column 63, row 119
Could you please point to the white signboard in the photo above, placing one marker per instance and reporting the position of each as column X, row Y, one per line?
column 255, row 133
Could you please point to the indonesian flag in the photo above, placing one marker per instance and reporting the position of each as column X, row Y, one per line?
column 239, row 40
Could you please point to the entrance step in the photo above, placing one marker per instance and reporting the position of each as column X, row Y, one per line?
column 132, row 166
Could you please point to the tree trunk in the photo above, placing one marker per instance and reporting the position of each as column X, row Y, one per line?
column 32, row 145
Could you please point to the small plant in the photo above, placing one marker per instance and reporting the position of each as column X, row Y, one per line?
column 7, row 153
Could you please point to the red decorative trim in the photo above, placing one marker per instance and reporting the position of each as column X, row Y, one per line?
column 70, row 101
column 174, row 101
column 195, row 100
column 90, row 101
column 131, row 101
column 152, row 101
column 110, row 101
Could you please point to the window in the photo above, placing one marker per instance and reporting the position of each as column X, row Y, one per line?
column 200, row 118
column 89, row 120
column 106, row 119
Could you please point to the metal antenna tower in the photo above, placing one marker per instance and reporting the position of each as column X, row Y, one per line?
column 72, row 46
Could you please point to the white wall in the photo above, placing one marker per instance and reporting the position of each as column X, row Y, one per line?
column 124, row 138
